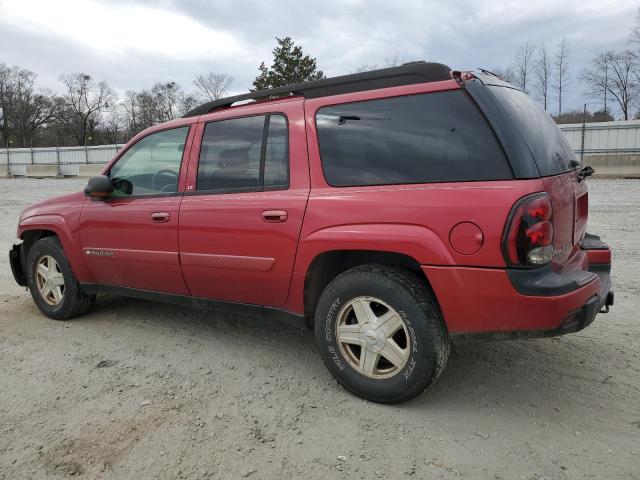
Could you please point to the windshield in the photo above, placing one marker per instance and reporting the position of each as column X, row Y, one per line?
column 550, row 148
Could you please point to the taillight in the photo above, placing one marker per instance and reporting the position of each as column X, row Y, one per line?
column 528, row 240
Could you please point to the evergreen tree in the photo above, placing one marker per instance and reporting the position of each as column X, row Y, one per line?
column 290, row 65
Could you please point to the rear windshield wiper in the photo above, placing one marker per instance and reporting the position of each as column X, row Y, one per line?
column 585, row 172
column 343, row 118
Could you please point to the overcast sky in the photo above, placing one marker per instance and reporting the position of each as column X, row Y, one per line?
column 133, row 43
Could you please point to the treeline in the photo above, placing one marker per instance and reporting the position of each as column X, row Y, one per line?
column 610, row 83
column 89, row 112
column 86, row 111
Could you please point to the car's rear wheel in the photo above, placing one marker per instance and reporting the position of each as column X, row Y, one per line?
column 381, row 334
column 53, row 286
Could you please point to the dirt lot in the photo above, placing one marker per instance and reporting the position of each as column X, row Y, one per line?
column 142, row 390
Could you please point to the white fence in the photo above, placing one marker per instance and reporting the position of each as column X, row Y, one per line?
column 604, row 138
column 68, row 158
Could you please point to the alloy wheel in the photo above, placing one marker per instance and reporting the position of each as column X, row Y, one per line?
column 49, row 280
column 373, row 337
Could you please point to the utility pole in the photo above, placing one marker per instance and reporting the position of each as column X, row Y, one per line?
column 584, row 126
column 8, row 161
column 606, row 84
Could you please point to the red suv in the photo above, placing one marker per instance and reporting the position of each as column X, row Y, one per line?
column 389, row 211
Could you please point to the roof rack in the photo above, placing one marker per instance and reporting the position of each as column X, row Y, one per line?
column 407, row 74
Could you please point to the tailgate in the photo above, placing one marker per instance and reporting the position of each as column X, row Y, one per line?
column 570, row 203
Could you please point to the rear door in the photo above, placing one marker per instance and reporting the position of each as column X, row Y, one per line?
column 246, row 196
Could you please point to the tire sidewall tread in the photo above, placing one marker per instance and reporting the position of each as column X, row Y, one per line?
column 75, row 300
column 410, row 298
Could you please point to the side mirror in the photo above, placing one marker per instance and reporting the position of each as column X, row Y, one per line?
column 99, row 186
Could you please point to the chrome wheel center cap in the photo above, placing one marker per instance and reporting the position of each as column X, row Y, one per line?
column 373, row 340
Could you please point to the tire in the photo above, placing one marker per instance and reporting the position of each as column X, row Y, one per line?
column 70, row 300
column 421, row 342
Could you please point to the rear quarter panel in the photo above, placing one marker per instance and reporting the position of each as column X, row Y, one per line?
column 415, row 220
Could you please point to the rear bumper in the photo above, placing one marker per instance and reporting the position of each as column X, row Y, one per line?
column 488, row 302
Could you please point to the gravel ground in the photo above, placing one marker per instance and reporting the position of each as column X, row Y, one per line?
column 142, row 390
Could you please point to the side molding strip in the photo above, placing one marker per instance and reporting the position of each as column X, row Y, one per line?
column 269, row 313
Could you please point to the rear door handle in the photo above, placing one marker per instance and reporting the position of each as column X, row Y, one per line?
column 275, row 216
column 160, row 217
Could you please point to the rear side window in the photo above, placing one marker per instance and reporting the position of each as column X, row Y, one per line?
column 248, row 153
column 550, row 148
column 276, row 155
column 434, row 137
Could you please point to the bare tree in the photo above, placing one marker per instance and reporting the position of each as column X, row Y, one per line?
column 131, row 113
column 523, row 64
column 394, row 61
column 83, row 104
column 561, row 71
column 388, row 62
column 5, row 102
column 634, row 38
column 623, row 82
column 213, row 85
column 166, row 101
column 23, row 110
column 114, row 125
column 507, row 74
column 161, row 103
column 542, row 73
column 366, row 67
column 596, row 77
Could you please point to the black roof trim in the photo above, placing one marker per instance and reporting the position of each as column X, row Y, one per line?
column 407, row 74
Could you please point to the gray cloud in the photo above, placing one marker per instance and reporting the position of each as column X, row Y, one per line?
column 342, row 34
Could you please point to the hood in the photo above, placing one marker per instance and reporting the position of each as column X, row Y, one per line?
column 54, row 205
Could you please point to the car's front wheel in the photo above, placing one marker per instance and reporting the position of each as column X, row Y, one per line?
column 380, row 333
column 53, row 285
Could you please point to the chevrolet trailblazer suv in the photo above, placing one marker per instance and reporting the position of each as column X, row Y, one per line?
column 389, row 211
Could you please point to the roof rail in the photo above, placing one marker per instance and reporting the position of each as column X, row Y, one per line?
column 407, row 74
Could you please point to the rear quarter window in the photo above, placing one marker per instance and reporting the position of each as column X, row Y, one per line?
column 434, row 137
column 548, row 145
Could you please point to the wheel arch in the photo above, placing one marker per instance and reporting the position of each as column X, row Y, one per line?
column 329, row 264
column 33, row 229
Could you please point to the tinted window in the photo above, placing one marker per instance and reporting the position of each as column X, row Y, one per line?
column 230, row 154
column 233, row 155
column 276, row 157
column 152, row 165
column 423, row 138
column 550, row 148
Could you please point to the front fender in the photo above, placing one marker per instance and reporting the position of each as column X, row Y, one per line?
column 68, row 238
column 415, row 241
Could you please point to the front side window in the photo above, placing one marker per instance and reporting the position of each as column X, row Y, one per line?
column 151, row 166
column 247, row 153
column 432, row 137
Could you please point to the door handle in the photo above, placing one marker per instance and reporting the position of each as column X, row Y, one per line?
column 275, row 216
column 160, row 217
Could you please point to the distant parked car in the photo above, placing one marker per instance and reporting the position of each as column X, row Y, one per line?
column 389, row 211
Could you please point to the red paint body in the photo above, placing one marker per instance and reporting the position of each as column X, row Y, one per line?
column 222, row 246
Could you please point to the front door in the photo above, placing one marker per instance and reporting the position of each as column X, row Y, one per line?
column 130, row 239
column 239, row 225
